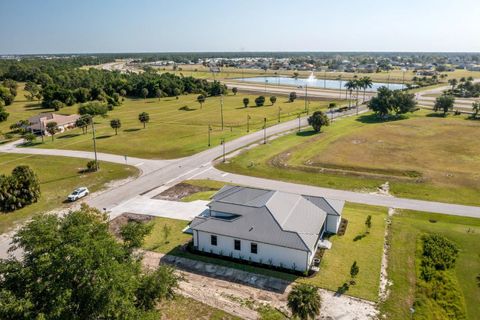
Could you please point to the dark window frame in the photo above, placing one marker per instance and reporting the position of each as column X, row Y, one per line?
column 237, row 245
column 213, row 240
column 252, row 246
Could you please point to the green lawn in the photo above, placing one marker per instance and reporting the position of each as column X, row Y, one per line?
column 367, row 252
column 422, row 157
column 335, row 267
column 183, row 308
column 407, row 227
column 58, row 177
column 174, row 133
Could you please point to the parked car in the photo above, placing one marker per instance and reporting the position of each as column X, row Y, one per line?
column 78, row 193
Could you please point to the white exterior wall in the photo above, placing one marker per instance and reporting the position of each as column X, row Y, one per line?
column 332, row 223
column 280, row 256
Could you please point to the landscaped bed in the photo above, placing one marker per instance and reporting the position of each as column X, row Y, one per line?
column 407, row 229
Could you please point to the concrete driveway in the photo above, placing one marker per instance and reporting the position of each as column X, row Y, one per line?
column 160, row 208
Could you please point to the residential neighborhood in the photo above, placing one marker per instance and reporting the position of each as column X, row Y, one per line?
column 265, row 160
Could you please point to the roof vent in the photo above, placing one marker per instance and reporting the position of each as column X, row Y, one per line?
column 251, row 228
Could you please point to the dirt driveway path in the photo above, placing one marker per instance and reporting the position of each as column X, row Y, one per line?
column 243, row 300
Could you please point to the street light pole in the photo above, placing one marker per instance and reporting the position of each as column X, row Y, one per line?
column 279, row 110
column 209, row 130
column 325, row 79
column 248, row 123
column 340, row 89
column 221, row 110
column 223, row 145
column 306, row 97
column 299, row 122
column 94, row 144
column 264, row 130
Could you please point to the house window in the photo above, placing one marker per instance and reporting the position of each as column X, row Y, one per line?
column 253, row 248
column 237, row 244
column 213, row 240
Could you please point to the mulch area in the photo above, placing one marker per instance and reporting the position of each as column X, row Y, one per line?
column 115, row 224
column 343, row 227
column 180, row 191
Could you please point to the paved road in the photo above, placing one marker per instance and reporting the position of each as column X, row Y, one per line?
column 464, row 105
column 356, row 197
column 160, row 173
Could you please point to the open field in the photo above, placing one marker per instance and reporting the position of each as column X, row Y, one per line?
column 423, row 157
column 58, row 177
column 172, row 132
column 407, row 227
column 336, row 263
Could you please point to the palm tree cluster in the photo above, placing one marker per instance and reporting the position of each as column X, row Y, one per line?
column 363, row 83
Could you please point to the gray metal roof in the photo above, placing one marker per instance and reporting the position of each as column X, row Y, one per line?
column 273, row 217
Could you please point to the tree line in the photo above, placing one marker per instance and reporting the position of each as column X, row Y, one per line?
column 63, row 82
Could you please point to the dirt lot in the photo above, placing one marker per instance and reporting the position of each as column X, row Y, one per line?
column 180, row 191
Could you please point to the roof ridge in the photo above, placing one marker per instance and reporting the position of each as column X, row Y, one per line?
column 325, row 200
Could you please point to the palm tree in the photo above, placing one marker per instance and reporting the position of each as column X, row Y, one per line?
column 304, row 301
column 144, row 117
column 201, row 100
column 366, row 82
column 115, row 124
column 350, row 85
column 453, row 83
column 475, row 109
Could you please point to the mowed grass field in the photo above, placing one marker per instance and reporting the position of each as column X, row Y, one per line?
column 173, row 132
column 406, row 228
column 422, row 157
column 58, row 177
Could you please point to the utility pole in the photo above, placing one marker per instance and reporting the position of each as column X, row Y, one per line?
column 299, row 122
column 221, row 110
column 266, row 81
column 279, row 110
column 42, row 130
column 325, row 79
column 222, row 142
column 340, row 89
column 306, row 97
column 209, row 130
column 248, row 123
column 94, row 144
column 264, row 130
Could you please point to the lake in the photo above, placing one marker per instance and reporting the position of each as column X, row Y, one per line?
column 315, row 83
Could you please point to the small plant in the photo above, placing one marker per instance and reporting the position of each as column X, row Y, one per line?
column 270, row 261
column 91, row 166
column 166, row 232
column 354, row 269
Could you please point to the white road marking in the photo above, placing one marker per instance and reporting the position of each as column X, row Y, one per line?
column 225, row 174
column 139, row 164
column 197, row 174
column 183, row 174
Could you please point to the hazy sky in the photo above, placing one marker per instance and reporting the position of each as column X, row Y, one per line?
column 68, row 26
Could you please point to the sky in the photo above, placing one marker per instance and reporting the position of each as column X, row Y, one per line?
column 95, row 26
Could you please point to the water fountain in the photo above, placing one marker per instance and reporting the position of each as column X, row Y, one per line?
column 311, row 77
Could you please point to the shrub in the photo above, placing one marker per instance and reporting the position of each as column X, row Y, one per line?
column 19, row 189
column 260, row 101
column 91, row 166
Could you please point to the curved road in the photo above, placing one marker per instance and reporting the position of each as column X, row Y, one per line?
column 159, row 174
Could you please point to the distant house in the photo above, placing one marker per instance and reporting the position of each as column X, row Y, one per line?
column 265, row 226
column 38, row 123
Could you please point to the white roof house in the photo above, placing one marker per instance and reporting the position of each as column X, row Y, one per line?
column 38, row 123
column 266, row 226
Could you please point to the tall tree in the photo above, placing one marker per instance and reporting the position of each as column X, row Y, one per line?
column 444, row 103
column 3, row 113
column 292, row 96
column 453, row 83
column 201, row 100
column 246, row 101
column 317, row 120
column 475, row 109
column 33, row 89
column 304, row 301
column 73, row 268
column 273, row 99
column 350, row 85
column 144, row 93
column 365, row 83
column 144, row 118
column 158, row 93
column 115, row 124
column 52, row 128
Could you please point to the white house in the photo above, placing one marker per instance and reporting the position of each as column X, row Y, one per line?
column 38, row 123
column 265, row 226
